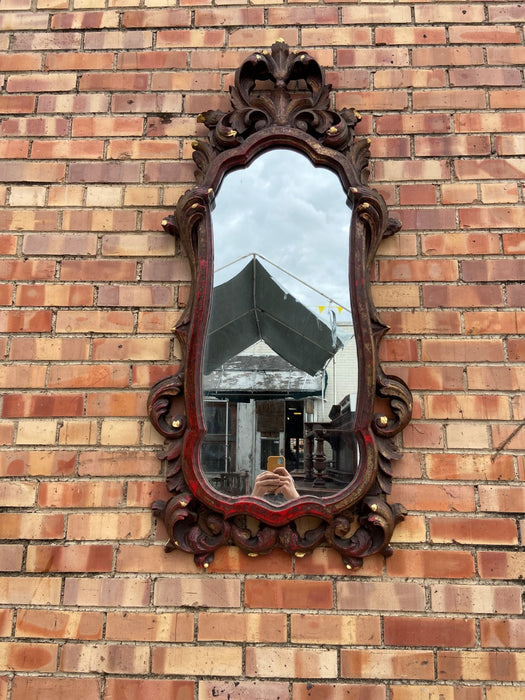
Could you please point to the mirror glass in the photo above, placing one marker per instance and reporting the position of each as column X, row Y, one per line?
column 280, row 368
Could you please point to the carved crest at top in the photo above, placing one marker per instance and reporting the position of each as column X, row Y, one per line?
column 286, row 89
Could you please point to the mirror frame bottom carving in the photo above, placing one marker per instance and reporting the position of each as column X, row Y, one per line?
column 357, row 521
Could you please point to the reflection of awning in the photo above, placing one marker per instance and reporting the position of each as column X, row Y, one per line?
column 252, row 306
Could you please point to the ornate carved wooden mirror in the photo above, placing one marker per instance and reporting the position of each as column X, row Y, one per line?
column 274, row 436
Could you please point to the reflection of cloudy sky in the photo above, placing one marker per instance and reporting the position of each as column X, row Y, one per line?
column 292, row 213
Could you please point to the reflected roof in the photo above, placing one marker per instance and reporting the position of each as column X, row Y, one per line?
column 252, row 306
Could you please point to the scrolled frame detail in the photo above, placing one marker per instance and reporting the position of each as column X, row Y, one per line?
column 357, row 521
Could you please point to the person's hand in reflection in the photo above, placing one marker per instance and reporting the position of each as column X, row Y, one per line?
column 278, row 482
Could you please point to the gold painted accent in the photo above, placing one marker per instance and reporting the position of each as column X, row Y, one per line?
column 210, row 190
column 265, row 52
column 332, row 130
column 164, row 222
column 357, row 114
column 194, row 143
column 201, row 118
column 354, row 189
column 205, row 565
column 300, row 555
column 232, row 132
column 364, row 205
column 369, row 141
column 175, row 543
column 194, row 206
column 348, row 567
column 258, row 56
column 176, row 423
column 253, row 554
column 383, row 420
column 280, row 40
column 373, row 507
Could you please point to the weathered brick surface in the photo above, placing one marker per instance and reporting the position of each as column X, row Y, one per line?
column 97, row 115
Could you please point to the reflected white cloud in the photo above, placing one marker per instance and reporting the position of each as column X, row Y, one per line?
column 294, row 214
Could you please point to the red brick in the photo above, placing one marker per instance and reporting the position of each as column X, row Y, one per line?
column 37, row 462
column 148, row 689
column 462, row 351
column 85, row 20
column 419, row 323
column 42, row 406
column 109, row 526
column 288, row 594
column 104, row 658
column 484, row 35
column 163, row 60
column 27, row 656
column 78, row 61
column 340, row 629
column 21, row 376
column 72, row 558
column 431, row 563
column 447, row 56
column 464, row 296
column 121, row 172
column 25, row 348
column 107, row 40
column 146, row 559
column 454, row 98
column 32, row 526
column 118, row 463
column 245, row 627
column 291, row 662
column 159, row 627
column 468, row 407
column 387, row 663
column 308, row 15
column 54, row 687
column 66, row 149
column 339, row 691
column 209, row 592
column 426, row 435
column 11, row 557
column 480, row 665
column 413, row 123
column 429, row 497
column 471, row 467
column 94, row 322
column 106, row 592
column 365, row 595
column 429, row 632
column 476, row 598
column 372, row 57
column 54, row 624
column 20, row 62
column 502, row 499
column 80, row 495
column 501, row 565
column 54, row 295
column 473, row 531
column 502, row 633
column 17, row 104
column 19, row 590
column 484, row 76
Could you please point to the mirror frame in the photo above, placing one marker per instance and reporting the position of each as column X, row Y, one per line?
column 357, row 521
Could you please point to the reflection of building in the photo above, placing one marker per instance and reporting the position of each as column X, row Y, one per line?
column 273, row 372
column 257, row 406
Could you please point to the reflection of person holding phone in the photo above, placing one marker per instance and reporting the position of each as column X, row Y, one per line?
column 278, row 482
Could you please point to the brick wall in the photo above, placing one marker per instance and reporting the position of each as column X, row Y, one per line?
column 98, row 112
